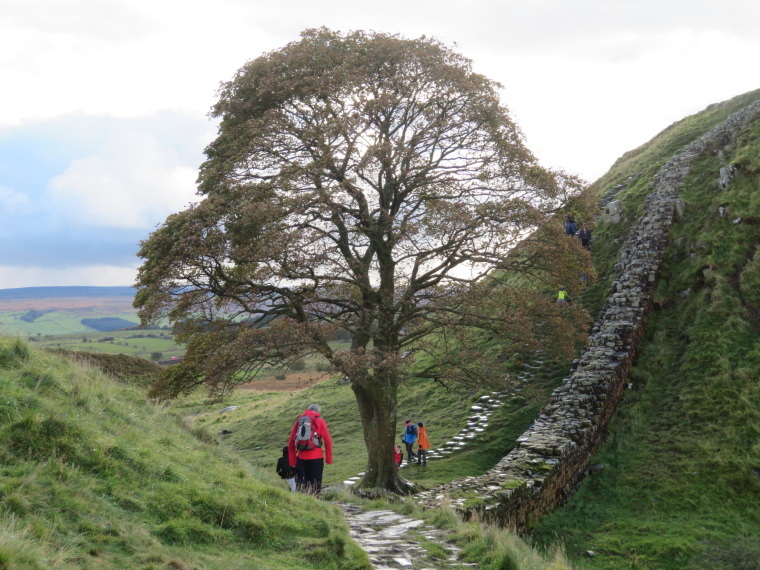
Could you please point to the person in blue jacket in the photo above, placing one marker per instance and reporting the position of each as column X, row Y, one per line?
column 410, row 436
column 570, row 226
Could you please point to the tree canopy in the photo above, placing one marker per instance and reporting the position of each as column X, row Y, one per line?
column 359, row 182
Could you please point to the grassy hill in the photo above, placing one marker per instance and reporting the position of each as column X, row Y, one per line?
column 33, row 311
column 262, row 421
column 93, row 477
column 681, row 484
column 143, row 342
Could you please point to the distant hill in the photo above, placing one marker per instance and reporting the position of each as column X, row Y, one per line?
column 63, row 292
column 32, row 311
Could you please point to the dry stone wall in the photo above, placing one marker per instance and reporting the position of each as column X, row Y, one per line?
column 549, row 460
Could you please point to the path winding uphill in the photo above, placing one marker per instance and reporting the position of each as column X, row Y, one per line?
column 394, row 541
column 477, row 423
column 551, row 458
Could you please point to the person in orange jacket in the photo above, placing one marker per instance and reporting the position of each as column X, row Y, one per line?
column 424, row 444
column 307, row 457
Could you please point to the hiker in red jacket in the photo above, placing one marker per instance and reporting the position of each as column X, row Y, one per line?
column 307, row 438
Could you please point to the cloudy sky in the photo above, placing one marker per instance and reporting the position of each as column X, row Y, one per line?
column 103, row 103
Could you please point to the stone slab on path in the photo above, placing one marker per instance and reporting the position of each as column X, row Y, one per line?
column 393, row 541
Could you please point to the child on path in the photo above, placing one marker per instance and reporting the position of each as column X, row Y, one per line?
column 285, row 471
column 398, row 455
column 424, row 444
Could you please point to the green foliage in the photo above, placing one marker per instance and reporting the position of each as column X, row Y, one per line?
column 31, row 315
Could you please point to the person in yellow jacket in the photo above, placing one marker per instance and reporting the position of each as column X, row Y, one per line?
column 424, row 444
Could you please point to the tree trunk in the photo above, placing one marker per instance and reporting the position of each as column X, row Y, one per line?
column 377, row 407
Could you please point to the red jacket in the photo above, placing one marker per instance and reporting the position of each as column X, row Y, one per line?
column 321, row 428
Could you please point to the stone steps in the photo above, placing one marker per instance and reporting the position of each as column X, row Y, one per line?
column 477, row 421
column 550, row 459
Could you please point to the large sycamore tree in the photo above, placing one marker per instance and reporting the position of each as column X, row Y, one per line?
column 359, row 182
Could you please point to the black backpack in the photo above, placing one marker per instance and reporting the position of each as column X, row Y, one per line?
column 306, row 437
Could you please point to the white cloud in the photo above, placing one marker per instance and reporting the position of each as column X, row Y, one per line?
column 107, row 21
column 13, row 202
column 134, row 181
column 12, row 277
column 586, row 81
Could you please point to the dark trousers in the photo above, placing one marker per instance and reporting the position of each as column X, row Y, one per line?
column 422, row 456
column 409, row 452
column 309, row 475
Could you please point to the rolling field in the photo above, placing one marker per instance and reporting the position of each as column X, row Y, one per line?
column 57, row 323
column 135, row 342
column 54, row 323
column 60, row 315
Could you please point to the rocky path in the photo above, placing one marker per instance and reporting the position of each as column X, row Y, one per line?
column 394, row 541
column 477, row 421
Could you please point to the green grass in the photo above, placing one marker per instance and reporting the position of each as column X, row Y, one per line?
column 262, row 423
column 681, row 487
column 636, row 169
column 55, row 323
column 123, row 342
column 93, row 477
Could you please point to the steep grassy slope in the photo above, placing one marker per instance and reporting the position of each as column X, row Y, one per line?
column 633, row 173
column 125, row 367
column 681, row 484
column 92, row 477
column 261, row 424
